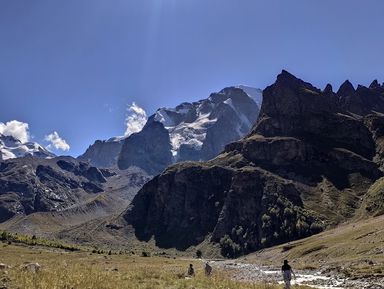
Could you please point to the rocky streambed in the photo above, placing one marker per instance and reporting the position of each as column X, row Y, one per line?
column 317, row 279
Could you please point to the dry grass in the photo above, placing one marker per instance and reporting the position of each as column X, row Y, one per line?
column 82, row 270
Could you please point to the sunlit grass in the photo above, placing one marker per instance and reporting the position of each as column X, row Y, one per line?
column 84, row 270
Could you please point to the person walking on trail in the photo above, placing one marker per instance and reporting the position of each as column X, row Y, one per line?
column 287, row 274
column 191, row 271
column 207, row 269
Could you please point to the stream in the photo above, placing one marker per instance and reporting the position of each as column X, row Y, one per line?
column 255, row 273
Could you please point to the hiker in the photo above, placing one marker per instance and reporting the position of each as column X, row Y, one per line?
column 287, row 274
column 207, row 269
column 191, row 271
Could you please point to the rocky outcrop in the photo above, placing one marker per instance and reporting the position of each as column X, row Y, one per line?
column 306, row 164
column 375, row 123
column 363, row 100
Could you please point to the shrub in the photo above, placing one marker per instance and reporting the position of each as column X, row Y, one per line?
column 229, row 248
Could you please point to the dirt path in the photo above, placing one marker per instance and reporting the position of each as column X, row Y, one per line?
column 255, row 273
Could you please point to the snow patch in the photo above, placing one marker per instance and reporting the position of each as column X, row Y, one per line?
column 192, row 134
column 163, row 117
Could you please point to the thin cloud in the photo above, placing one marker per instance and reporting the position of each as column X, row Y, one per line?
column 136, row 119
column 56, row 142
column 17, row 129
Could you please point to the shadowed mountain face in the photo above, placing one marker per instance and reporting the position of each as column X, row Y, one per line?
column 150, row 149
column 308, row 163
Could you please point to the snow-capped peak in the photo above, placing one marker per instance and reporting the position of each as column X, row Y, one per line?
column 11, row 147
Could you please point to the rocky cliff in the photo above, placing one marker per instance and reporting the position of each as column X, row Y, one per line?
column 308, row 163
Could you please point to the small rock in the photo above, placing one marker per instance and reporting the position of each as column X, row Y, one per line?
column 31, row 267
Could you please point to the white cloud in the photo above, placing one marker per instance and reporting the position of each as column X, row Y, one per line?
column 135, row 120
column 17, row 129
column 57, row 142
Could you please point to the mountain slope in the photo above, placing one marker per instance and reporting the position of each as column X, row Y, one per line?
column 119, row 190
column 33, row 184
column 307, row 163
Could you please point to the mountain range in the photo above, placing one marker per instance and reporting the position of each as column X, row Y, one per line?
column 36, row 187
column 226, row 174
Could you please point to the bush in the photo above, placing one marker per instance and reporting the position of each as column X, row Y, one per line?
column 4, row 236
column 229, row 248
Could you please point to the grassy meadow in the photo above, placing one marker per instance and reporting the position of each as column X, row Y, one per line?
column 85, row 270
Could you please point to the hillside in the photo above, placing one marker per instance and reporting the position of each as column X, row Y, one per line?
column 354, row 249
column 46, row 196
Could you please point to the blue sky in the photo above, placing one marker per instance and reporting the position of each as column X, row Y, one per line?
column 73, row 66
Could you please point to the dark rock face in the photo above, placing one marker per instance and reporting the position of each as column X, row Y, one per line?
column 306, row 113
column 363, row 100
column 307, row 163
column 29, row 184
column 149, row 149
column 375, row 123
column 103, row 154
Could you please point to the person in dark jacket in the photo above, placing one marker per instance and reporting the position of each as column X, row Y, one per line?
column 287, row 274
column 208, row 269
column 191, row 271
